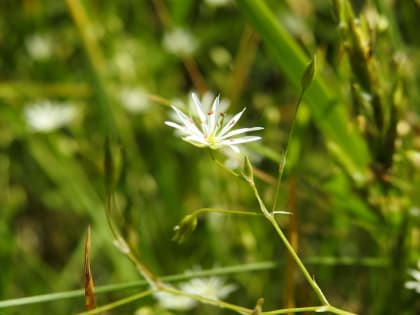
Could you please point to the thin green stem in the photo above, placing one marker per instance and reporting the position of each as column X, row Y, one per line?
column 269, row 216
column 263, row 208
column 118, row 303
column 326, row 306
column 301, row 266
column 137, row 284
column 338, row 311
column 221, row 164
column 218, row 303
column 322, row 308
column 293, row 310
column 225, row 211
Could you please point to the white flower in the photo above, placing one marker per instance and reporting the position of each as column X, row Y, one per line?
column 211, row 288
column 211, row 131
column 179, row 42
column 39, row 46
column 414, row 284
column 134, row 100
column 175, row 302
column 45, row 116
column 123, row 63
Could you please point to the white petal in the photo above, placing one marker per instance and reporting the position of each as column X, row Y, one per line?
column 239, row 131
column 175, row 125
column 198, row 109
column 231, row 123
column 212, row 116
column 415, row 274
column 235, row 148
column 189, row 124
column 411, row 285
column 239, row 140
column 195, row 139
column 180, row 114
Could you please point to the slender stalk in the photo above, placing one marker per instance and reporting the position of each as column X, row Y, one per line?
column 301, row 266
column 136, row 284
column 269, row 216
column 326, row 306
column 338, row 311
column 158, row 99
column 125, row 248
column 320, row 309
column 218, row 303
column 118, row 303
column 293, row 310
column 225, row 211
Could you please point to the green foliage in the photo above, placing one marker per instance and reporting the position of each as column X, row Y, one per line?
column 350, row 180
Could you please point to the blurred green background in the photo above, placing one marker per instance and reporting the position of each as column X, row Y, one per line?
column 352, row 176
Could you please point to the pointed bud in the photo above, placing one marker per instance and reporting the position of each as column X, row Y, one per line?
column 308, row 75
column 258, row 307
column 247, row 170
column 184, row 229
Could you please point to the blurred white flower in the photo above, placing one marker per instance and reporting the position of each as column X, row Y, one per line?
column 220, row 56
column 180, row 42
column 175, row 302
column 134, row 99
column 45, row 116
column 39, row 46
column 414, row 284
column 211, row 288
column 211, row 131
column 123, row 64
column 414, row 211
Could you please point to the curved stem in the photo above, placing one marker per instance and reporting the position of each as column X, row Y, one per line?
column 269, row 216
column 218, row 303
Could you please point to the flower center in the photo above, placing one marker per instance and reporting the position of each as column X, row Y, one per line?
column 211, row 139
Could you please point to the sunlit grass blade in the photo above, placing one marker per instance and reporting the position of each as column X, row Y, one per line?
column 328, row 112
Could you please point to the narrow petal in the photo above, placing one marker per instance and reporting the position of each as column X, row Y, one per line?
column 231, row 123
column 415, row 274
column 198, row 108
column 197, row 141
column 187, row 121
column 239, row 131
column 175, row 125
column 212, row 115
column 239, row 140
column 180, row 114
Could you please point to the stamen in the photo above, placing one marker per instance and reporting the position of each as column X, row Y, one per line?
column 211, row 112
